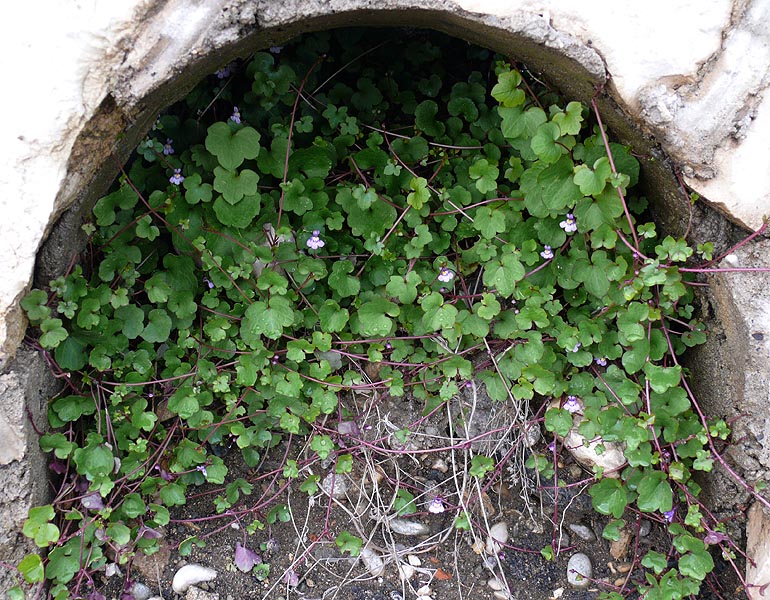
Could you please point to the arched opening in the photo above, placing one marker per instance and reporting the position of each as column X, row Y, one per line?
column 110, row 113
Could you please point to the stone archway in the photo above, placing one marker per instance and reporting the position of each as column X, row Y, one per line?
column 689, row 78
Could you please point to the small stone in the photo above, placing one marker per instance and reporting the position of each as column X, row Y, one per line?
column 140, row 591
column 440, row 465
column 478, row 546
column 584, row 532
column 405, row 572
column 414, row 560
column 310, row 583
column 335, row 485
column 619, row 582
column 194, row 593
column 495, row 584
column 372, row 561
column 501, row 595
column 405, row 527
column 579, row 570
column 498, row 536
column 574, row 471
column 624, row 567
column 191, row 575
column 424, row 591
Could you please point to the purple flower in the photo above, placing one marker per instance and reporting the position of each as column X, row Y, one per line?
column 569, row 224
column 202, row 469
column 276, row 49
column 177, row 177
column 167, row 147
column 315, row 242
column 291, row 578
column 602, row 362
column 547, row 253
column 669, row 515
column 445, row 275
column 577, row 347
column 572, row 405
column 209, row 283
column 224, row 71
column 436, row 506
column 236, row 116
column 552, row 447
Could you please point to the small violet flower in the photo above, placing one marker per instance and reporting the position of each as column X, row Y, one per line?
column 224, row 71
column 577, row 347
column 177, row 177
column 167, row 147
column 569, row 224
column 669, row 515
column 236, row 116
column 276, row 49
column 602, row 362
column 209, row 283
column 571, row 405
column 445, row 275
column 315, row 242
column 436, row 506
column 202, row 469
column 547, row 253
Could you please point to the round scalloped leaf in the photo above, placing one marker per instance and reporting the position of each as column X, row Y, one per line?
column 232, row 147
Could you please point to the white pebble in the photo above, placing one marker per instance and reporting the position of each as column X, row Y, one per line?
column 372, row 561
column 531, row 435
column 424, row 591
column 498, row 536
column 190, row 575
column 579, row 570
column 495, row 584
column 732, row 260
column 414, row 560
column 501, row 595
column 404, row 527
column 644, row 528
column 405, row 572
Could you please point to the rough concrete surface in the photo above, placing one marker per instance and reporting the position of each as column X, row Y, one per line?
column 24, row 393
column 90, row 78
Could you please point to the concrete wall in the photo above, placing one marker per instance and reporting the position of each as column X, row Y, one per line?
column 685, row 80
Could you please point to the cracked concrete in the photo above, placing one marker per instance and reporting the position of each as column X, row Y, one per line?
column 688, row 80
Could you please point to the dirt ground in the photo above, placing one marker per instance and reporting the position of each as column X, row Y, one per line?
column 432, row 559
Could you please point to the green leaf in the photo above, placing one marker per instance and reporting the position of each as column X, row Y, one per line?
column 341, row 282
column 425, row 119
column 549, row 190
column 173, row 494
column 239, row 215
column 332, row 317
column 34, row 304
column 420, row 193
column 232, row 147
column 481, row 465
column 506, row 91
column 503, row 275
column 485, row 175
column 268, row 319
column 374, row 317
column 558, row 420
column 544, row 143
column 489, row 222
column 31, row 567
column 592, row 182
column 38, row 527
column 609, row 497
column 662, row 378
column 235, row 185
column 347, row 542
column 158, row 327
column 404, row 288
column 654, row 493
column 322, row 445
column 197, row 191
column 53, row 333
